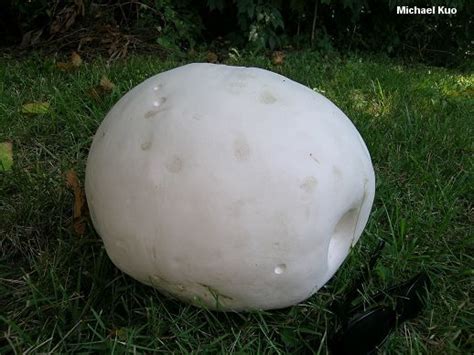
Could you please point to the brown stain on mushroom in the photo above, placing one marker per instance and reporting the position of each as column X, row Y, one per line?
column 267, row 97
column 160, row 101
column 309, row 184
column 147, row 141
column 174, row 165
column 146, row 145
column 157, row 105
column 314, row 158
column 151, row 113
column 241, row 149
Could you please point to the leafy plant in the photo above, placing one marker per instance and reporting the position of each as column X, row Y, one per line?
column 176, row 23
column 260, row 20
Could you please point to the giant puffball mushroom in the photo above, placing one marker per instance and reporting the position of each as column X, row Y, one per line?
column 228, row 187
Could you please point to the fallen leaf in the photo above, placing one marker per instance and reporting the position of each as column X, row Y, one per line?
column 76, row 59
column 35, row 108
column 79, row 207
column 278, row 58
column 211, row 57
column 6, row 156
column 106, row 84
column 105, row 87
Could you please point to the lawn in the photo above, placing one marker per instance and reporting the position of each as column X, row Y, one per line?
column 59, row 292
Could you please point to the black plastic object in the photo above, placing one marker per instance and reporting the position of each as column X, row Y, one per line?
column 363, row 329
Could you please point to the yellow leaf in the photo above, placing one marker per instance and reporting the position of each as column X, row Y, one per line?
column 6, row 156
column 35, row 108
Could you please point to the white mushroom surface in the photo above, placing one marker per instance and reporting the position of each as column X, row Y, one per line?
column 228, row 187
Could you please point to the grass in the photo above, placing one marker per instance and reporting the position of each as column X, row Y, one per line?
column 60, row 293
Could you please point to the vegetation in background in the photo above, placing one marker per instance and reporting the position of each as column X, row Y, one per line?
column 181, row 25
column 60, row 293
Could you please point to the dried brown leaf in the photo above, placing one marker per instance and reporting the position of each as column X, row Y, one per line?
column 278, row 58
column 211, row 57
column 99, row 91
column 106, row 84
column 79, row 206
column 76, row 59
